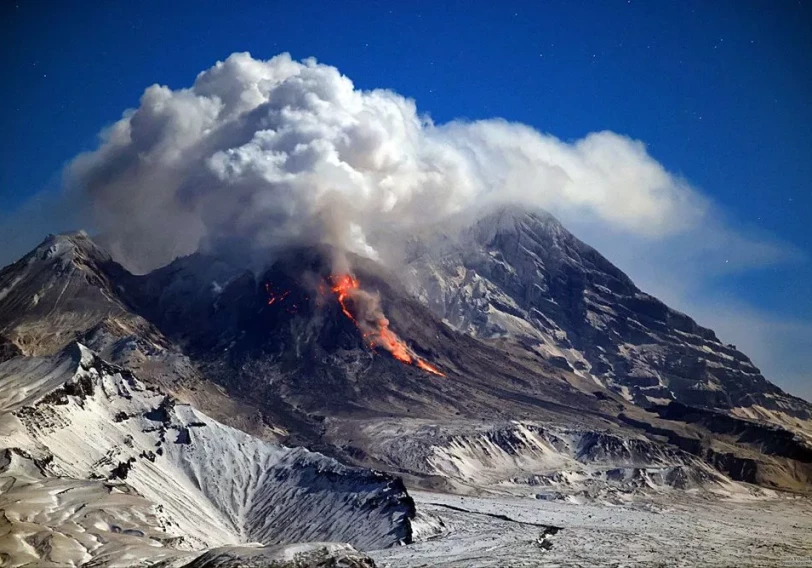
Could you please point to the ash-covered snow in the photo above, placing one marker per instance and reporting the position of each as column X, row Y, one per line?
column 290, row 556
column 498, row 531
column 544, row 461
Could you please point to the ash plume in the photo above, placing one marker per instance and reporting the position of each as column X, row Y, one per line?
column 258, row 155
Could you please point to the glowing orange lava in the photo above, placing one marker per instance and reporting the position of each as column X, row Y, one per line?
column 392, row 342
column 342, row 287
column 273, row 297
column 375, row 330
column 430, row 368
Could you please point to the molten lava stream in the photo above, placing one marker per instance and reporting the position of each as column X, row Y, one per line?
column 430, row 368
column 377, row 333
column 342, row 288
column 393, row 343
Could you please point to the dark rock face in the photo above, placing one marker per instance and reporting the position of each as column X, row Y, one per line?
column 302, row 359
column 772, row 440
column 7, row 349
column 524, row 276
column 780, row 460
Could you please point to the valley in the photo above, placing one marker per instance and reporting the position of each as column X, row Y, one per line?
column 764, row 532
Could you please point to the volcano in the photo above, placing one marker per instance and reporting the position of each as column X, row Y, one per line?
column 304, row 344
column 313, row 355
column 320, row 356
column 358, row 306
column 309, row 345
column 495, row 358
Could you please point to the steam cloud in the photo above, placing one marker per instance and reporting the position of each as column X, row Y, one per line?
column 258, row 155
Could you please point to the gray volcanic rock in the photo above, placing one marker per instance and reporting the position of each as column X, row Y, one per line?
column 60, row 290
column 523, row 276
column 303, row 359
column 305, row 363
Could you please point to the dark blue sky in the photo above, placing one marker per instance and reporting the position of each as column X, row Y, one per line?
column 721, row 92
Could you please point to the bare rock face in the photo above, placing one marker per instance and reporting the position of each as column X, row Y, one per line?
column 523, row 276
column 60, row 290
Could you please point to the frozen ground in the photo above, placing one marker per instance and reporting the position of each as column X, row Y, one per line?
column 739, row 532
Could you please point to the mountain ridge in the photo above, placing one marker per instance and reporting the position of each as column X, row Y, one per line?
column 74, row 416
column 522, row 274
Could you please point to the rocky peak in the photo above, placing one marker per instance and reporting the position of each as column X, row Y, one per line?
column 61, row 289
column 75, row 246
column 521, row 275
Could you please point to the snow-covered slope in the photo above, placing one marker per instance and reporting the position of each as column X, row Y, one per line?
column 522, row 276
column 69, row 289
column 540, row 460
column 291, row 556
column 60, row 521
column 74, row 417
column 499, row 531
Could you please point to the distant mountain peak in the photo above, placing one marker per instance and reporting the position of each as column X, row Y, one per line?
column 57, row 292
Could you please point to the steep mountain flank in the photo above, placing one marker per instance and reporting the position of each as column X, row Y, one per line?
column 522, row 276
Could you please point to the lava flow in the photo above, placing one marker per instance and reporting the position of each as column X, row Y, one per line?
column 371, row 322
column 342, row 287
column 274, row 298
column 428, row 367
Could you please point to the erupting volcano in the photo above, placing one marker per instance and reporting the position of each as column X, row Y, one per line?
column 360, row 307
column 364, row 311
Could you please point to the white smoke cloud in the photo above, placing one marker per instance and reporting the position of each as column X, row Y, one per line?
column 258, row 155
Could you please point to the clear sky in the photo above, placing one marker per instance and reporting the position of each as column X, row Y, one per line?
column 720, row 92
